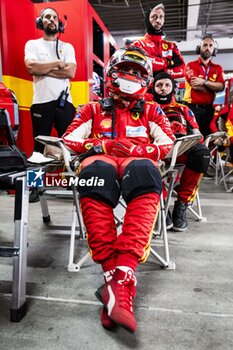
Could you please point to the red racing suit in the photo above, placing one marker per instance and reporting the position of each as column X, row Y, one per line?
column 190, row 178
column 94, row 125
column 161, row 52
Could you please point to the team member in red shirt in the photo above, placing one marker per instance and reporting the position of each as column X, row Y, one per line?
column 203, row 79
column 164, row 54
column 131, row 135
column 196, row 159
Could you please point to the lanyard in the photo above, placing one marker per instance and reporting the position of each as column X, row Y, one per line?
column 206, row 71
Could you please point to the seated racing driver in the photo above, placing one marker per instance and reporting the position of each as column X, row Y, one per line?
column 129, row 136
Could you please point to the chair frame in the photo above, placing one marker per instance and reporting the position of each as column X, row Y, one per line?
column 180, row 146
column 219, row 166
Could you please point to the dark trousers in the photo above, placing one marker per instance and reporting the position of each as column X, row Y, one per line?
column 204, row 115
column 47, row 115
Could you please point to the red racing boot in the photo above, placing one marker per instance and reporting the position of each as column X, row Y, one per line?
column 104, row 318
column 117, row 296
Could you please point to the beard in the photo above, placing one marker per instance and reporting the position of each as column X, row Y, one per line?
column 50, row 31
column 205, row 54
column 162, row 99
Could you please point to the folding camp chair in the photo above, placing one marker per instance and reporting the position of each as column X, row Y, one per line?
column 54, row 147
column 215, row 163
column 180, row 146
column 219, row 159
column 195, row 208
column 187, row 142
column 169, row 173
column 225, row 174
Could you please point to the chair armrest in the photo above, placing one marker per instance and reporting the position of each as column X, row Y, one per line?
column 46, row 140
column 216, row 135
column 56, row 143
column 182, row 144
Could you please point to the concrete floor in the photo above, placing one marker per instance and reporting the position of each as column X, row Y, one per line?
column 187, row 308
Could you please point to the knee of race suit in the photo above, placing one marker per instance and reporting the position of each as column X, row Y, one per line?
column 198, row 158
column 140, row 177
column 99, row 180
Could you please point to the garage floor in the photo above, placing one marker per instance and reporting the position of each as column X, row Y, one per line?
column 187, row 308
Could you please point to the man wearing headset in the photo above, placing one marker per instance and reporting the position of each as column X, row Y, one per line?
column 203, row 79
column 52, row 63
column 130, row 136
column 165, row 55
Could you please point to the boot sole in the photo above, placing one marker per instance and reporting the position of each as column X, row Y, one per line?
column 177, row 229
column 98, row 294
column 169, row 227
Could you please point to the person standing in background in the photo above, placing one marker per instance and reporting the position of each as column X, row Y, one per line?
column 203, row 79
column 52, row 63
column 165, row 55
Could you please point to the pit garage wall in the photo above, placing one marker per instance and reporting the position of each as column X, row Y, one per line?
column 222, row 58
column 17, row 25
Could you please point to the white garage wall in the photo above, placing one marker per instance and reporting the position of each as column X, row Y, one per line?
column 224, row 59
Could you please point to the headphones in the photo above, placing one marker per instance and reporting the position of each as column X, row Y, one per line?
column 207, row 36
column 39, row 21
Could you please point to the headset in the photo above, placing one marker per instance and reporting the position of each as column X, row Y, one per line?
column 208, row 36
column 39, row 21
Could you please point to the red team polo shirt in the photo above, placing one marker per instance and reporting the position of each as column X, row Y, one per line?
column 212, row 72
